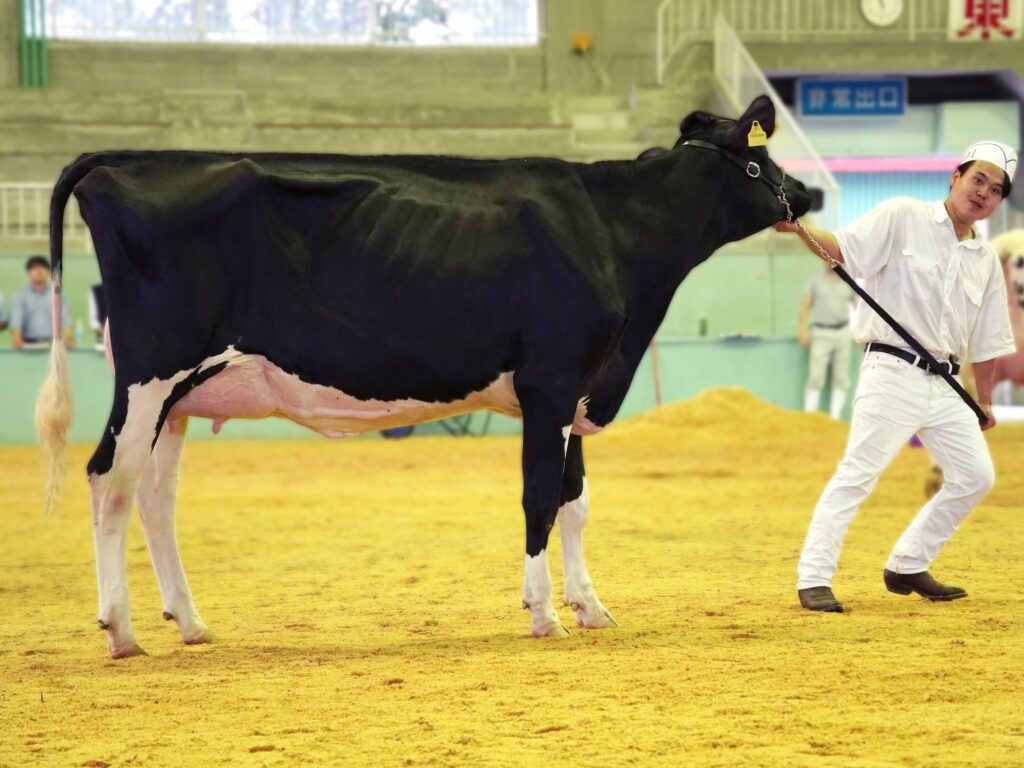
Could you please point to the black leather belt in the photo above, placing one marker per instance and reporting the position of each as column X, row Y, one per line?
column 830, row 326
column 910, row 357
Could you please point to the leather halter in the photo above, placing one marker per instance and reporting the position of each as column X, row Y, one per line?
column 752, row 169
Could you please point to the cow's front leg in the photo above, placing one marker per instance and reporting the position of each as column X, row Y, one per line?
column 572, row 518
column 158, row 492
column 545, row 433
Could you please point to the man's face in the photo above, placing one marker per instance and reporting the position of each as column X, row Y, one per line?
column 977, row 192
column 38, row 275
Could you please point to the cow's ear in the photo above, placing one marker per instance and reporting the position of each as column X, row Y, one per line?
column 761, row 111
column 695, row 121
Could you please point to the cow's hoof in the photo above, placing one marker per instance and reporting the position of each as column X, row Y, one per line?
column 200, row 638
column 604, row 621
column 593, row 617
column 127, row 652
column 551, row 630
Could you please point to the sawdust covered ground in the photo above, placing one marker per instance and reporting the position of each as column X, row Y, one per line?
column 366, row 599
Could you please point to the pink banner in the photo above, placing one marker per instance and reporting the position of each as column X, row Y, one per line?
column 899, row 164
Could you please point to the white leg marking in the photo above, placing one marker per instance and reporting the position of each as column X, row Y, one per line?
column 156, row 498
column 111, row 510
column 544, row 621
column 112, row 495
column 579, row 590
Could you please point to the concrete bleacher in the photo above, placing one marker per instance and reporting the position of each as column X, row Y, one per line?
column 534, row 100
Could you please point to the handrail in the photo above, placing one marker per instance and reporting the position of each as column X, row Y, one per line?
column 25, row 213
column 683, row 21
column 740, row 80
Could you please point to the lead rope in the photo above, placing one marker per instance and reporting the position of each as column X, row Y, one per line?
column 933, row 364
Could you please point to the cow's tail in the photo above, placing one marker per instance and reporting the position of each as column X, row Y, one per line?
column 54, row 407
column 54, row 411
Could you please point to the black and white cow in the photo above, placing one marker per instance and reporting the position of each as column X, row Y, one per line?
column 356, row 293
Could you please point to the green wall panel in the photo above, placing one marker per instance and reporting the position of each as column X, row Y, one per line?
column 737, row 292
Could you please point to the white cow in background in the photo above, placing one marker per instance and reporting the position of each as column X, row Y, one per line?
column 1009, row 371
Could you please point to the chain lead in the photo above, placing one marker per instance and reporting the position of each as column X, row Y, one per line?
column 821, row 250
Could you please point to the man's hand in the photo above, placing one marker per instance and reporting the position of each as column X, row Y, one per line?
column 805, row 339
column 987, row 408
column 786, row 226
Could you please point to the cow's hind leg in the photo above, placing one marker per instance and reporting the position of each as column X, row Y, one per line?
column 114, row 474
column 572, row 518
column 545, row 434
column 157, row 494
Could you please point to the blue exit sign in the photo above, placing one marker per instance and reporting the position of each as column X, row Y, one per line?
column 852, row 97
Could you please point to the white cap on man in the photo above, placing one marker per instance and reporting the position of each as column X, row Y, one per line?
column 1000, row 155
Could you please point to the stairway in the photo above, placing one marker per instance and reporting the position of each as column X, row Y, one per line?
column 621, row 126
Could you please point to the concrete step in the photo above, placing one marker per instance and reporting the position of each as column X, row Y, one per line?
column 607, row 151
column 617, row 136
column 226, row 107
column 599, row 121
column 598, row 103
column 71, row 140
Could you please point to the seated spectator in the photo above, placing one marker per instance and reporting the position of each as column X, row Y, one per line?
column 32, row 308
column 97, row 312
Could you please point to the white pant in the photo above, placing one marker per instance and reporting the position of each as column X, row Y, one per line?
column 829, row 348
column 893, row 401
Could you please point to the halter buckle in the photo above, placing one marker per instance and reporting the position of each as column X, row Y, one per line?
column 753, row 170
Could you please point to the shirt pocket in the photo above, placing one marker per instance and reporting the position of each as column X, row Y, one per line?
column 973, row 291
column 922, row 275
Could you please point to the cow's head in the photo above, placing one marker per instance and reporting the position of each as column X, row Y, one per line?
column 758, row 191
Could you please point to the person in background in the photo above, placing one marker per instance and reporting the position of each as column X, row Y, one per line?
column 3, row 312
column 97, row 312
column 32, row 308
column 825, row 332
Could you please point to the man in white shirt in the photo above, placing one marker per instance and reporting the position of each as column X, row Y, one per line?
column 924, row 263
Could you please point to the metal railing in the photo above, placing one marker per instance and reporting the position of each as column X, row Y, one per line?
column 306, row 22
column 740, row 80
column 25, row 215
column 682, row 21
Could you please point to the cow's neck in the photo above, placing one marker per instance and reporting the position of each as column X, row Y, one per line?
column 663, row 220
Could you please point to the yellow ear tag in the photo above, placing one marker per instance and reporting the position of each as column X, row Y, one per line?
column 757, row 137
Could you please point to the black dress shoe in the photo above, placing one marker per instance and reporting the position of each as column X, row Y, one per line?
column 819, row 599
column 923, row 584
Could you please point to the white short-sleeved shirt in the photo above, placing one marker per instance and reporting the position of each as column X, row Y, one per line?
column 947, row 293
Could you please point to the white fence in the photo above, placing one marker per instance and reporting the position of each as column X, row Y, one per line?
column 740, row 81
column 683, row 21
column 25, row 216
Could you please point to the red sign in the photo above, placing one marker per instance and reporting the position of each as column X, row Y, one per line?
column 985, row 19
